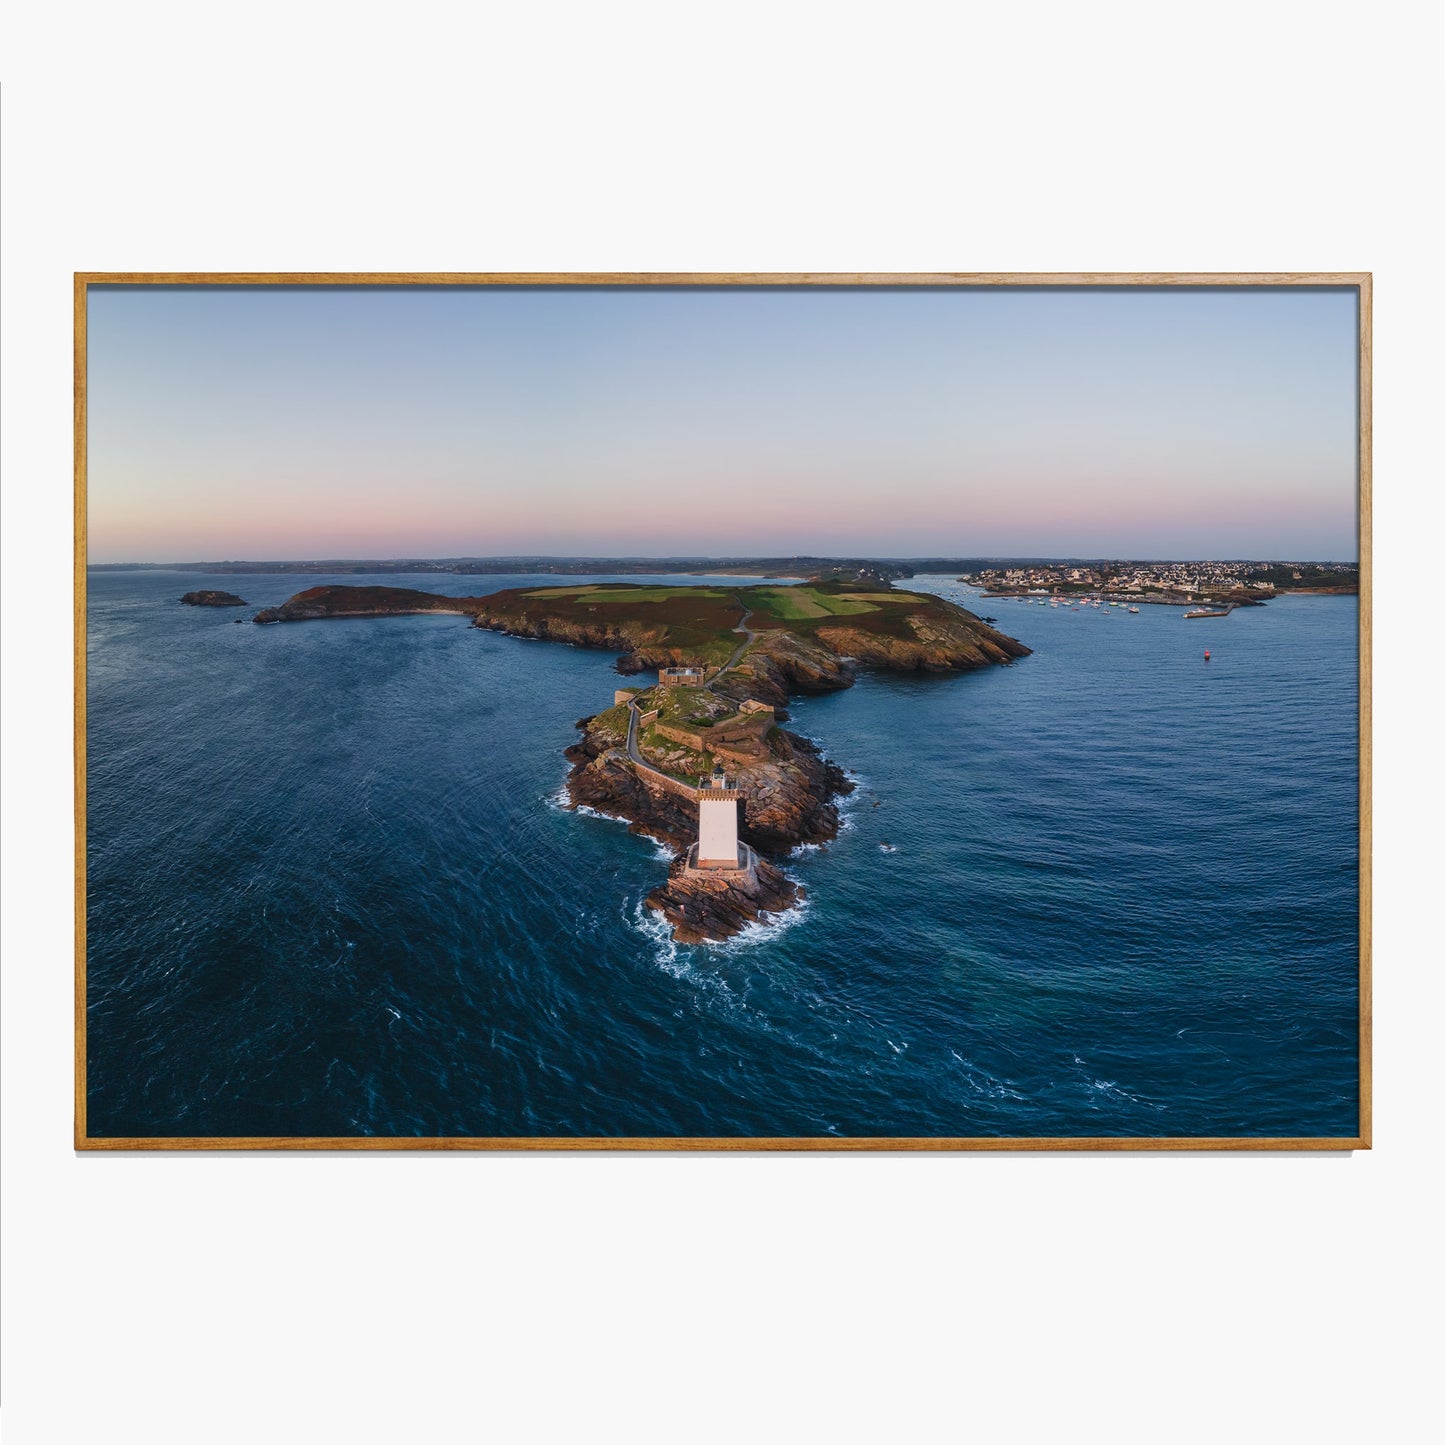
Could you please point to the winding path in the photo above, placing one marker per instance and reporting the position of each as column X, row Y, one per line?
column 748, row 639
column 632, row 752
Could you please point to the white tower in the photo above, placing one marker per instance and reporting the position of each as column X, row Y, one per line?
column 717, row 822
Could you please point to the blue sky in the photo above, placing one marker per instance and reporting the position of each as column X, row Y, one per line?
column 237, row 422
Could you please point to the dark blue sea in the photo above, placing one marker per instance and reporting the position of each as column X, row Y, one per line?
column 1111, row 889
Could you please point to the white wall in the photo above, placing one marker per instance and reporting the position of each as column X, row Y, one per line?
column 717, row 830
column 998, row 1298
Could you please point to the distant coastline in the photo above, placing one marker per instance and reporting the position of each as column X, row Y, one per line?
column 993, row 574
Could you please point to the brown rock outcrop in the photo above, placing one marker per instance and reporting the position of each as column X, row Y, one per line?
column 937, row 645
column 703, row 909
column 620, row 636
column 780, row 664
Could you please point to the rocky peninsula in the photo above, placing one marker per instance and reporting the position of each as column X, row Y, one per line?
column 727, row 659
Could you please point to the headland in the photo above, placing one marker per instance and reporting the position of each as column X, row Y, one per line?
column 725, row 661
column 342, row 601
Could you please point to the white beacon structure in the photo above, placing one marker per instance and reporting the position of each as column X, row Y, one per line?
column 717, row 824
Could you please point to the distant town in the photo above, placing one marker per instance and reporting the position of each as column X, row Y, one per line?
column 1166, row 582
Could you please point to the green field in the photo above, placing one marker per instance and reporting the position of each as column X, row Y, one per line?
column 794, row 604
column 849, row 606
column 788, row 603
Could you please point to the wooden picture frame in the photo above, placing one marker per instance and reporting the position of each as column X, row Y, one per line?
column 1359, row 283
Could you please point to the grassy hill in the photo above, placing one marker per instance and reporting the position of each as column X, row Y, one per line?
column 701, row 621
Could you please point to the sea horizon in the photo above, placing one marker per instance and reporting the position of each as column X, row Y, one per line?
column 321, row 559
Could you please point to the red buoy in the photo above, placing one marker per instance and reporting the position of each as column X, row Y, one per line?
column 1206, row 654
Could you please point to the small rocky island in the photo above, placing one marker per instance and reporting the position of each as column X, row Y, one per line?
column 697, row 759
column 213, row 599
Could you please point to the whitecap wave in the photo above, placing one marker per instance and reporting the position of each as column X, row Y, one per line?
column 982, row 1082
column 850, row 803
column 663, row 849
column 679, row 961
column 1108, row 1091
column 656, row 929
column 764, row 929
column 588, row 811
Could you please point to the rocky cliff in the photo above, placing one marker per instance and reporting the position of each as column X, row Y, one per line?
column 780, row 664
column 629, row 636
column 936, row 644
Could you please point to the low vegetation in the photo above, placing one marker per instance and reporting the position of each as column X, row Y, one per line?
column 793, row 604
column 700, row 623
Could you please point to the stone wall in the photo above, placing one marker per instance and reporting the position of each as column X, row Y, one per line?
column 651, row 779
column 746, row 750
column 740, row 732
column 736, row 729
column 695, row 738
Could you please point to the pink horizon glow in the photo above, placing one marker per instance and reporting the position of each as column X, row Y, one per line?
column 266, row 426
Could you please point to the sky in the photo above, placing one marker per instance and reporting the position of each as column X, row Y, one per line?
column 288, row 423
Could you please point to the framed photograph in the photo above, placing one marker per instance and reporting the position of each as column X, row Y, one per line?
column 722, row 711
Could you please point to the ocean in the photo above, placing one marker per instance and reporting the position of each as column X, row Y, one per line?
column 1110, row 889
